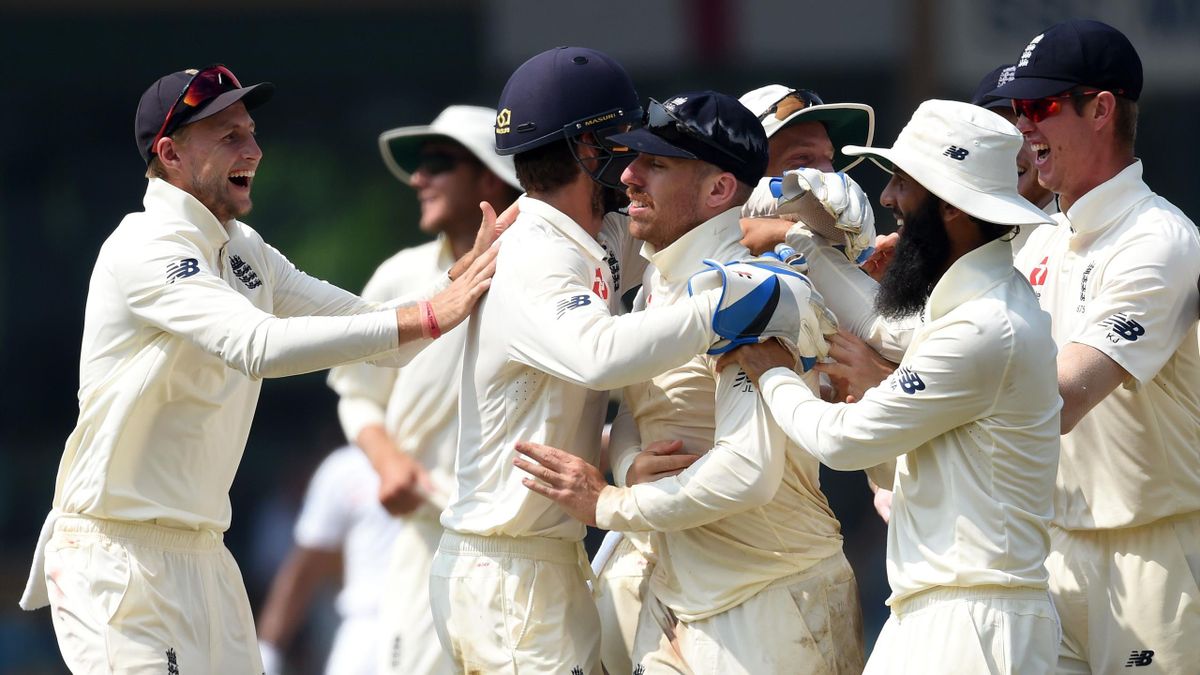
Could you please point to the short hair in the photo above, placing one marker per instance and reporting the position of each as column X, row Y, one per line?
column 155, row 168
column 547, row 167
column 1124, row 117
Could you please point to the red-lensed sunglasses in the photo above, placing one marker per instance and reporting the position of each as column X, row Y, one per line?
column 207, row 84
column 1038, row 109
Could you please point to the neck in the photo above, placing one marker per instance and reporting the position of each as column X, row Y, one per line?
column 1102, row 170
column 577, row 200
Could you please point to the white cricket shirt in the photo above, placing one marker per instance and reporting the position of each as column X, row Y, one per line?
column 1118, row 273
column 972, row 413
column 342, row 513
column 185, row 316
column 543, row 347
column 418, row 403
column 750, row 511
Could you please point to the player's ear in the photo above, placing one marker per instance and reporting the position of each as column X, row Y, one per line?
column 722, row 190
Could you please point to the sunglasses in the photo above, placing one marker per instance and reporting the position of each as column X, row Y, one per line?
column 664, row 124
column 434, row 162
column 204, row 86
column 1038, row 109
column 790, row 103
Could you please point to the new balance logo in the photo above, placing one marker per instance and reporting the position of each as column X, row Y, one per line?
column 909, row 381
column 172, row 666
column 639, row 670
column 1137, row 659
column 244, row 272
column 182, row 269
column 743, row 382
column 1121, row 326
column 955, row 152
column 577, row 670
column 572, row 302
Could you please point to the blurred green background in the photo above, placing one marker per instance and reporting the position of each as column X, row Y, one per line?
column 71, row 74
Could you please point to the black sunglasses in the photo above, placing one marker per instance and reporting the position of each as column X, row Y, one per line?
column 434, row 162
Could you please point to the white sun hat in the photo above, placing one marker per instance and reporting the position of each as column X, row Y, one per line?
column 468, row 125
column 778, row 106
column 964, row 154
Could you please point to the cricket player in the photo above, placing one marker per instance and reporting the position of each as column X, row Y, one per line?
column 801, row 130
column 406, row 420
column 749, row 554
column 342, row 535
column 1118, row 276
column 972, row 413
column 188, row 309
column 508, row 581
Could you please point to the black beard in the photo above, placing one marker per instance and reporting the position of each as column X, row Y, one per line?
column 919, row 262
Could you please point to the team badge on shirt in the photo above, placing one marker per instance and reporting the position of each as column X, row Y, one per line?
column 182, row 269
column 1121, row 327
column 244, row 272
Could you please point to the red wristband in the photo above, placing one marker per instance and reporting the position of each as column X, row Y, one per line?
column 429, row 322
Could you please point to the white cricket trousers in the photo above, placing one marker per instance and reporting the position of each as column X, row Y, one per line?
column 410, row 643
column 621, row 587
column 139, row 598
column 973, row 630
column 514, row 605
column 807, row 623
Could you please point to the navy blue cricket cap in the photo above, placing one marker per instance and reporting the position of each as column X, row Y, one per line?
column 166, row 92
column 704, row 125
column 562, row 93
column 999, row 77
column 1072, row 53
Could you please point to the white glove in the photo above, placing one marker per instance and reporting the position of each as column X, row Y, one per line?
column 763, row 298
column 832, row 205
column 763, row 201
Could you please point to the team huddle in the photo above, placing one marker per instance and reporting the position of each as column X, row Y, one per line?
column 1017, row 371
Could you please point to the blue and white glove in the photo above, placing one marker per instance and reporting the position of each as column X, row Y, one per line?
column 832, row 205
column 763, row 298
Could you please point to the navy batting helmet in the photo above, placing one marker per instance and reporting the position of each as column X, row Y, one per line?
column 563, row 93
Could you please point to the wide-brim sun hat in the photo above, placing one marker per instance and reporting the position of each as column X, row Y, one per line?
column 468, row 125
column 846, row 123
column 964, row 154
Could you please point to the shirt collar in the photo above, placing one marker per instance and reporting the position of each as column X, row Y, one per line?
column 969, row 277
column 685, row 256
column 561, row 222
column 445, row 254
column 161, row 197
column 1106, row 203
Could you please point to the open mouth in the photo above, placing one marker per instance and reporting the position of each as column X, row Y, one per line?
column 1042, row 150
column 241, row 178
column 639, row 201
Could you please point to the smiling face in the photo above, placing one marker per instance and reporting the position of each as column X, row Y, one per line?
column 217, row 160
column 921, row 253
column 666, row 196
column 1061, row 146
column 800, row 145
column 449, row 186
column 1027, row 174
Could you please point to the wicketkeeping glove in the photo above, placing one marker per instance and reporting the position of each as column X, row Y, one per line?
column 832, row 205
column 763, row 298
